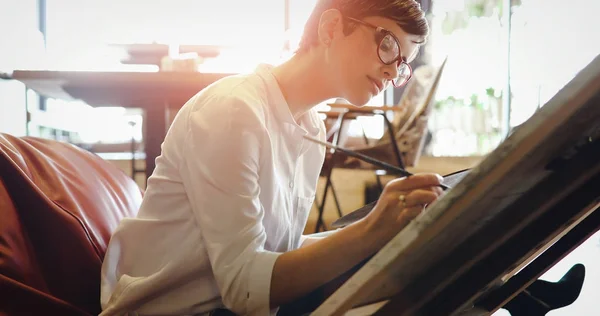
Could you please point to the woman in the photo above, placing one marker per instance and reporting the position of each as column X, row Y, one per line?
column 222, row 218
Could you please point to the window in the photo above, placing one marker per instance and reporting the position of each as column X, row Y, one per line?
column 22, row 45
column 79, row 31
column 467, row 117
column 547, row 50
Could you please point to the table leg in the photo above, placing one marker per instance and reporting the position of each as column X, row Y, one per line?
column 155, row 128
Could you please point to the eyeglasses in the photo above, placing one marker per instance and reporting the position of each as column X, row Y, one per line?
column 389, row 52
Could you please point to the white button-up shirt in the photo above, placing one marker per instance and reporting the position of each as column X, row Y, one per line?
column 231, row 191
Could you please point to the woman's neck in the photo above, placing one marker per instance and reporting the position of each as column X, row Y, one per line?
column 304, row 82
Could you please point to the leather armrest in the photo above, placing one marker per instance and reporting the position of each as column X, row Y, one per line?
column 20, row 299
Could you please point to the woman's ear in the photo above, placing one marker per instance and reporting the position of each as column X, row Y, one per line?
column 330, row 26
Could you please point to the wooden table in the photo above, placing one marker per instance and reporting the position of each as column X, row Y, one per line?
column 154, row 92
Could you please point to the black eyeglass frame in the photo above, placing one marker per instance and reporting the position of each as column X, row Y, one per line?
column 399, row 60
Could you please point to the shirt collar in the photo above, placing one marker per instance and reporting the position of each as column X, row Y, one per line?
column 308, row 123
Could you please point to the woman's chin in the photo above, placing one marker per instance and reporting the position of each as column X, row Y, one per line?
column 360, row 99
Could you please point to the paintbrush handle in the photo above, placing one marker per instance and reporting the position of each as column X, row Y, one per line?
column 375, row 162
column 366, row 158
column 360, row 156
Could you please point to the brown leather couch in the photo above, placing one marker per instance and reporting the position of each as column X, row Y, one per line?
column 58, row 207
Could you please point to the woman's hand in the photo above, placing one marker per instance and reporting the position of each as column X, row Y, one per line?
column 400, row 202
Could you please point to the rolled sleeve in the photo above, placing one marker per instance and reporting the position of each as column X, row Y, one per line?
column 260, row 279
column 220, row 174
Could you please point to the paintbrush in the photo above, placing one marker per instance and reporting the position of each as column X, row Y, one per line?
column 373, row 161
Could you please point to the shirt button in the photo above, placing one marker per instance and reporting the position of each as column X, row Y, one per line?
column 291, row 184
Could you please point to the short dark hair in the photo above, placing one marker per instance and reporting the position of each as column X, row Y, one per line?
column 407, row 13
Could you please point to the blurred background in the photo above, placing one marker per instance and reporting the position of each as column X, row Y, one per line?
column 532, row 53
column 506, row 59
column 528, row 54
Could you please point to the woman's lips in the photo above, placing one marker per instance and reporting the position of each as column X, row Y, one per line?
column 377, row 86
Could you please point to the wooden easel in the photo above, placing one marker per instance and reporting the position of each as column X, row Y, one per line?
column 527, row 205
